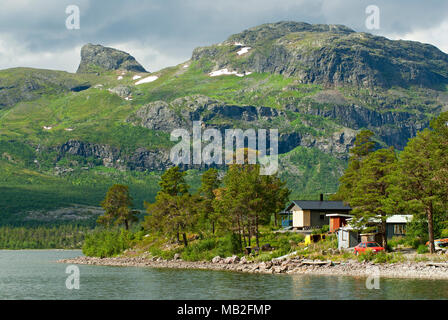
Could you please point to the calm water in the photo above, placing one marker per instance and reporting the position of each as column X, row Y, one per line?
column 33, row 274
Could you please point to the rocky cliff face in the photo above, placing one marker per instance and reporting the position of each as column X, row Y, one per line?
column 141, row 159
column 394, row 128
column 330, row 55
column 97, row 57
column 182, row 112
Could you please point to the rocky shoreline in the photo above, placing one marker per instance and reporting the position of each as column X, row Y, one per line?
column 419, row 270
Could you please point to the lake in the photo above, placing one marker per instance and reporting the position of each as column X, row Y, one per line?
column 34, row 274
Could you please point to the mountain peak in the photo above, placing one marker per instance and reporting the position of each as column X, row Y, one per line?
column 327, row 54
column 269, row 31
column 97, row 57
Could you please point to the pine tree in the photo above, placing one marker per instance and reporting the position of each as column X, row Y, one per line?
column 363, row 146
column 173, row 182
column 210, row 182
column 370, row 195
column 249, row 199
column 117, row 206
column 417, row 188
column 174, row 211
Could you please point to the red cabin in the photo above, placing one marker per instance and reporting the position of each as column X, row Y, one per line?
column 338, row 220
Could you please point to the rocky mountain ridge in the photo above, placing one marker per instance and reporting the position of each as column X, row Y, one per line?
column 329, row 55
column 98, row 57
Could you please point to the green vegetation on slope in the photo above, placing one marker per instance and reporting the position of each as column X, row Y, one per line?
column 23, row 191
column 60, row 237
column 310, row 172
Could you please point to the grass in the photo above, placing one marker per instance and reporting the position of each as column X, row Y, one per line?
column 96, row 116
column 259, row 89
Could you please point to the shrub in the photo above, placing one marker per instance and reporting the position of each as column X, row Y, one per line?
column 107, row 243
column 422, row 249
column 156, row 252
column 444, row 233
column 297, row 237
column 333, row 241
column 205, row 245
column 208, row 248
column 280, row 252
column 283, row 245
column 265, row 256
column 368, row 255
column 167, row 254
column 414, row 242
column 395, row 241
column 347, row 255
column 382, row 257
column 235, row 243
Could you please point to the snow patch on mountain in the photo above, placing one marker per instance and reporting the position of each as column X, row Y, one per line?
column 147, row 80
column 243, row 50
column 226, row 72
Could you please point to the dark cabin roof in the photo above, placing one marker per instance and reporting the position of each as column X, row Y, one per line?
column 319, row 205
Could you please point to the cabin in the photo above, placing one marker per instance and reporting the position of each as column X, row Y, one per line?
column 396, row 225
column 348, row 237
column 310, row 214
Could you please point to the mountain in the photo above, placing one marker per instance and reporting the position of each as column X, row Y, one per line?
column 330, row 55
column 96, row 58
column 65, row 138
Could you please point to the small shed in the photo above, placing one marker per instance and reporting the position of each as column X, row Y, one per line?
column 338, row 220
column 347, row 237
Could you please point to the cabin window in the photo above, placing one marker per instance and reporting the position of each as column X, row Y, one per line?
column 344, row 236
column 322, row 216
column 399, row 229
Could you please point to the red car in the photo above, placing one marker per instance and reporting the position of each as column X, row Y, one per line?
column 363, row 246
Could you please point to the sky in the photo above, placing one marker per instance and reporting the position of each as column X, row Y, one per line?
column 162, row 33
